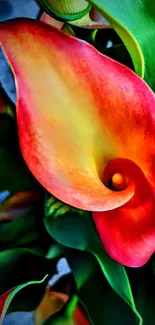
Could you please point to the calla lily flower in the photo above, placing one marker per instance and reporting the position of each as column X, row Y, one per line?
column 86, row 126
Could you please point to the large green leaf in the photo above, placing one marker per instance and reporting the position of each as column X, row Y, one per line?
column 20, row 231
column 101, row 303
column 76, row 230
column 25, row 296
column 134, row 21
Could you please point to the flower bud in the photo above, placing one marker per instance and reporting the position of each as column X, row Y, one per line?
column 66, row 10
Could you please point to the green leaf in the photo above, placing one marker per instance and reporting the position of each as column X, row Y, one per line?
column 55, row 208
column 27, row 229
column 131, row 31
column 28, row 298
column 137, row 34
column 55, row 250
column 21, row 265
column 78, row 231
column 100, row 301
column 134, row 20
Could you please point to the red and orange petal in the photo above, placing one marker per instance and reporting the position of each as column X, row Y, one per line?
column 77, row 110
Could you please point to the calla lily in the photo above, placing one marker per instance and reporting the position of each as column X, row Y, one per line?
column 87, row 131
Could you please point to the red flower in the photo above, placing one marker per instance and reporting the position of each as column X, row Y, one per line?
column 85, row 121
